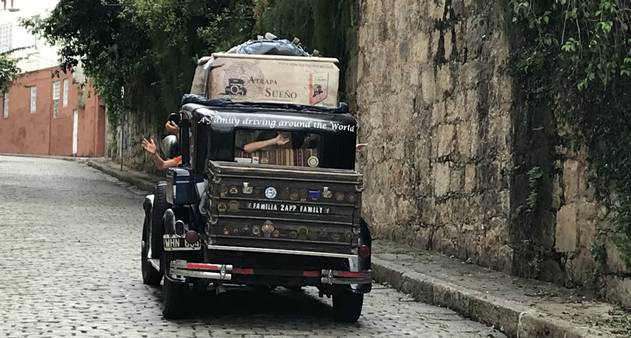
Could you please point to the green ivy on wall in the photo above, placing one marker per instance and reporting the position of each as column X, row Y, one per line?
column 576, row 54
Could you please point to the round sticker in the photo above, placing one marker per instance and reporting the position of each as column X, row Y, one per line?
column 221, row 207
column 313, row 161
column 270, row 192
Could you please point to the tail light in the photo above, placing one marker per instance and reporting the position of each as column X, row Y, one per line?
column 364, row 251
column 191, row 236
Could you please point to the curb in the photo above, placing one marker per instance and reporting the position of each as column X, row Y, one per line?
column 512, row 318
column 52, row 157
column 125, row 176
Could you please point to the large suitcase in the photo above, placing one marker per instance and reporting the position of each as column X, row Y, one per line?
column 271, row 78
column 293, row 208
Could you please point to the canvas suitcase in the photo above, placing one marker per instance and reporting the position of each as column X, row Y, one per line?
column 310, row 81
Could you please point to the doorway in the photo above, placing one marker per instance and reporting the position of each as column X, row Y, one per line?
column 75, row 132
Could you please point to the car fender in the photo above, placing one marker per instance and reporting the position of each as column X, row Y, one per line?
column 365, row 239
column 147, row 204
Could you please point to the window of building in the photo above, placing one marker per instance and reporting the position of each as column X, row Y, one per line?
column 33, row 106
column 6, row 36
column 56, row 96
column 5, row 105
column 65, row 94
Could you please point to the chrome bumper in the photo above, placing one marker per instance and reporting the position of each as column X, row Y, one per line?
column 346, row 277
column 225, row 272
column 181, row 268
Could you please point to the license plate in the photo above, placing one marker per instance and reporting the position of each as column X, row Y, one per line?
column 178, row 243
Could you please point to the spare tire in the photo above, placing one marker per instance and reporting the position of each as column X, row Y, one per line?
column 160, row 205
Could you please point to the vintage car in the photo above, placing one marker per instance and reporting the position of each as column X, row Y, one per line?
column 285, row 214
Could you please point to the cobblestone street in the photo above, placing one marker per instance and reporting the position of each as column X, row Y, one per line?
column 70, row 267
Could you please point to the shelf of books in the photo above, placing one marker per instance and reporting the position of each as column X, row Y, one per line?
column 280, row 156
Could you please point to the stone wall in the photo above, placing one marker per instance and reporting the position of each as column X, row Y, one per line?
column 456, row 163
column 124, row 141
column 585, row 235
column 433, row 97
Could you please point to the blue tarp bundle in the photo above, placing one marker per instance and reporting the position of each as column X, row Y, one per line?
column 269, row 45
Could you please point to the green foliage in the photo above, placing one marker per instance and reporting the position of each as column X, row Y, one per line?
column 599, row 252
column 534, row 181
column 319, row 24
column 91, row 32
column 589, row 37
column 141, row 54
column 8, row 72
column 574, row 60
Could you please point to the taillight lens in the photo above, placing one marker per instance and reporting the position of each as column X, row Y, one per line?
column 364, row 251
column 191, row 236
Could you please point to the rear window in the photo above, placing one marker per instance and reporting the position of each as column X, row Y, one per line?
column 277, row 147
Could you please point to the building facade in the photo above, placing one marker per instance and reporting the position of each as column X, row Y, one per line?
column 45, row 112
column 31, row 52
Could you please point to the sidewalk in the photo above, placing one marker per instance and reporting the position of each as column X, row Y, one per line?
column 518, row 307
column 141, row 180
column 56, row 157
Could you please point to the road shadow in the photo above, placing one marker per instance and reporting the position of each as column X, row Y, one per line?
column 245, row 308
column 249, row 301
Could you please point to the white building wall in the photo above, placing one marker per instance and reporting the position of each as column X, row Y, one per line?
column 33, row 53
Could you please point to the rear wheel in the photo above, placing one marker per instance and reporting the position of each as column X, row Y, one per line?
column 347, row 305
column 175, row 299
column 150, row 275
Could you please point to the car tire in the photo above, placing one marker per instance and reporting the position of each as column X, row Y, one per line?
column 347, row 305
column 160, row 205
column 175, row 299
column 150, row 275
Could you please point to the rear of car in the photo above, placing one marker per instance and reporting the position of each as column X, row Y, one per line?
column 289, row 226
column 304, row 220
column 249, row 211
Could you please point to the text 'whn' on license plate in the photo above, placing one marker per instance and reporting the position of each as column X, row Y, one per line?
column 175, row 242
column 295, row 208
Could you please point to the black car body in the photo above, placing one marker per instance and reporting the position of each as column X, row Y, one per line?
column 287, row 215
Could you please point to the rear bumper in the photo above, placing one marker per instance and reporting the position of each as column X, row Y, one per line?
column 226, row 272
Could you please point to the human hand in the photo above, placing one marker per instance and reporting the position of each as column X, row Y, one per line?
column 149, row 146
column 281, row 139
column 171, row 127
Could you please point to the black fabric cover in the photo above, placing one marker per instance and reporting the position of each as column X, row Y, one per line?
column 342, row 108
